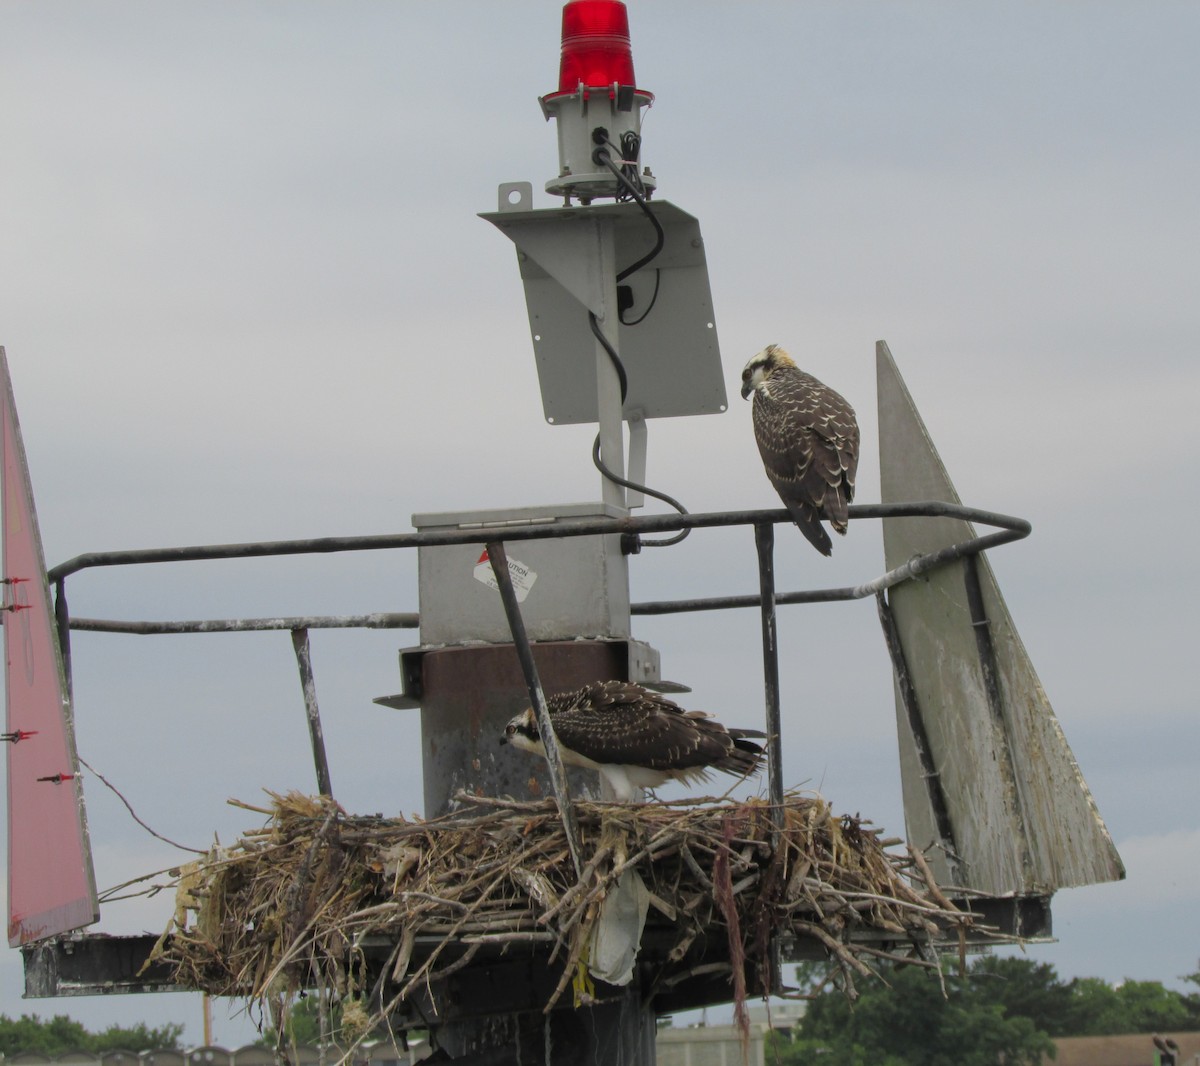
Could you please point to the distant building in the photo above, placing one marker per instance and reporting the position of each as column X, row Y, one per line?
column 711, row 1045
column 721, row 1045
column 1135, row 1049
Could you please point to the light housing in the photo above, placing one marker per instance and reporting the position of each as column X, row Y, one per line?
column 595, row 45
column 597, row 90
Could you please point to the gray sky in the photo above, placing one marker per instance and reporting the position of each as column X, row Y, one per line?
column 245, row 295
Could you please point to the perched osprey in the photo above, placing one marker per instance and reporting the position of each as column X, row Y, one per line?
column 808, row 438
column 636, row 738
column 1168, row 1047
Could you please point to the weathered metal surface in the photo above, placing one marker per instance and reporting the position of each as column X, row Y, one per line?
column 764, row 541
column 556, row 771
column 926, row 769
column 568, row 586
column 377, row 620
column 1022, row 817
column 508, row 979
column 618, row 1029
column 93, row 964
column 533, row 530
column 312, row 711
column 468, row 694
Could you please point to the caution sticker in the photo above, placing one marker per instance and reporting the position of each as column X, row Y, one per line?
column 520, row 574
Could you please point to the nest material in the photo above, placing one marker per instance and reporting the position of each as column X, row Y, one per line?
column 297, row 903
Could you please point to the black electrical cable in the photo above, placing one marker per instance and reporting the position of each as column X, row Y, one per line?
column 619, row 367
column 628, row 152
column 615, row 359
column 627, row 175
column 601, row 155
column 625, row 483
column 631, row 150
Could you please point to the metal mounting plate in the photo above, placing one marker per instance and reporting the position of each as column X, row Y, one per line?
column 671, row 355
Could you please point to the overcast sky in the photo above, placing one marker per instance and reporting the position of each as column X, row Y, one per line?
column 245, row 295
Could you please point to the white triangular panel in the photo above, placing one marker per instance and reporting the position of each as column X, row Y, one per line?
column 1022, row 818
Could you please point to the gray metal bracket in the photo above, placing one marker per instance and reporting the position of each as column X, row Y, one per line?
column 669, row 346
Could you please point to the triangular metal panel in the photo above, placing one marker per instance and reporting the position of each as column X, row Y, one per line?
column 51, row 884
column 1022, row 817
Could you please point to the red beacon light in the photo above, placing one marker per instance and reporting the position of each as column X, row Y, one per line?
column 595, row 45
column 597, row 104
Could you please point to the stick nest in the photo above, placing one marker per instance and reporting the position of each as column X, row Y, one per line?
column 309, row 899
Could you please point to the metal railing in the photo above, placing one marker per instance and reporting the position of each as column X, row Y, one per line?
column 494, row 538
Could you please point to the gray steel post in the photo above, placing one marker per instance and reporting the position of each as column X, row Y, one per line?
column 617, row 1032
column 554, row 763
column 609, row 401
column 308, row 685
column 468, row 695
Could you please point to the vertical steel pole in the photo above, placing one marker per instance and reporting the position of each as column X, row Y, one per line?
column 498, row 557
column 608, row 385
column 764, row 539
column 309, row 685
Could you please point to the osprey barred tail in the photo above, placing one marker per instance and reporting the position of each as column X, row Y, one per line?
column 808, row 439
column 636, row 738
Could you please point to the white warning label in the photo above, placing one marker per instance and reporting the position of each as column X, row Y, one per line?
column 522, row 577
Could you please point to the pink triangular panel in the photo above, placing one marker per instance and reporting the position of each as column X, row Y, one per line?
column 51, row 886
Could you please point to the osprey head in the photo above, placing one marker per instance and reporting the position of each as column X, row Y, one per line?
column 770, row 359
column 522, row 732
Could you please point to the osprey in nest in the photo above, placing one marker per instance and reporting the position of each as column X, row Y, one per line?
column 808, row 438
column 636, row 738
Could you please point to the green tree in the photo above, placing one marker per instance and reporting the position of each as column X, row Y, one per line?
column 1005, row 1009
column 61, row 1033
column 1024, row 989
column 1100, row 1009
column 911, row 1021
column 1147, row 1006
column 140, row 1037
column 30, row 1033
column 1094, row 1008
column 1192, row 1000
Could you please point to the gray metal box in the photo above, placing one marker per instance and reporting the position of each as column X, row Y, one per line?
column 567, row 587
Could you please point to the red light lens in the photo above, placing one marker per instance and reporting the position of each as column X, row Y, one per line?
column 595, row 45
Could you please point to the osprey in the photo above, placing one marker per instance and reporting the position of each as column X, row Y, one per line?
column 636, row 738
column 808, row 439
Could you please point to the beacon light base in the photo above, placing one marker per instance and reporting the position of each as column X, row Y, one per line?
column 597, row 104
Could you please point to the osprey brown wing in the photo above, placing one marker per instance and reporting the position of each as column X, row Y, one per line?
column 620, row 722
column 808, row 438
